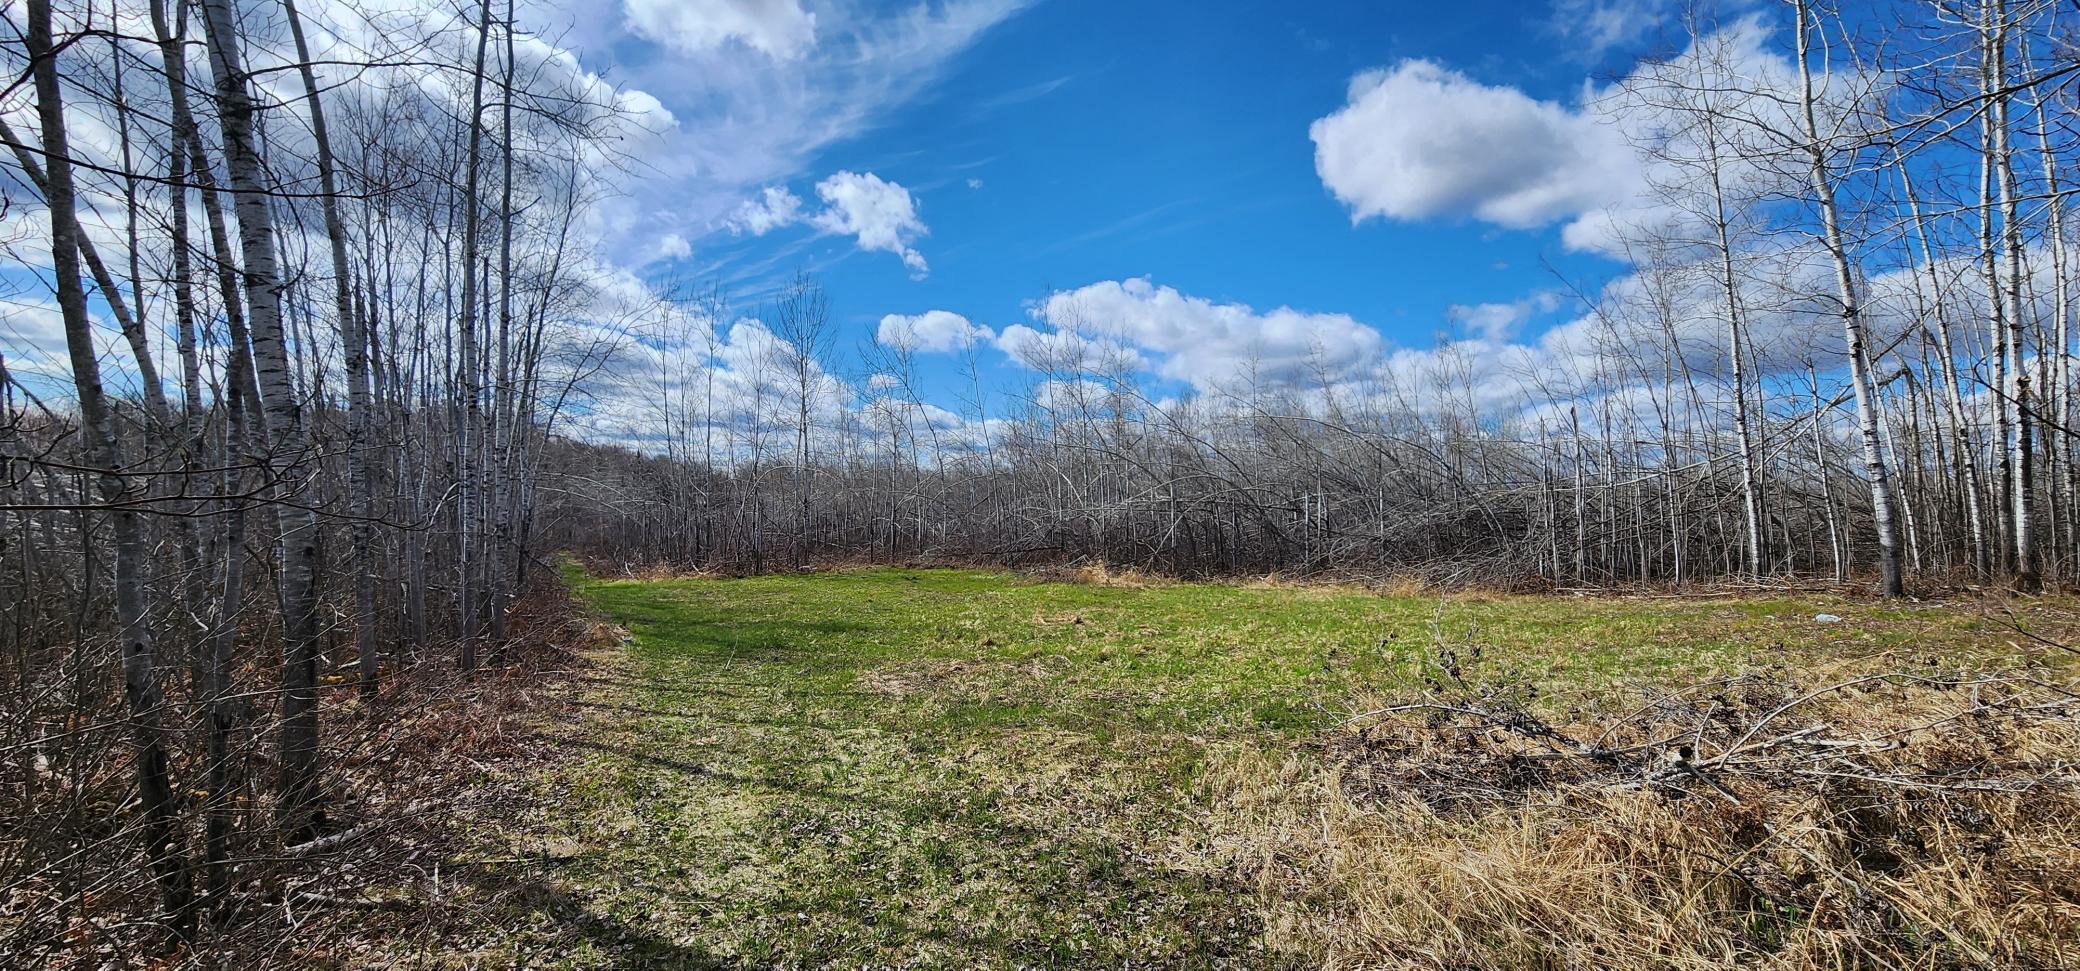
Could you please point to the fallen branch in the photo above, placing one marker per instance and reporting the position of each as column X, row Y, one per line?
column 328, row 843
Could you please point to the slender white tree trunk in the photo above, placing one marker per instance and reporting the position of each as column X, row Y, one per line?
column 355, row 344
column 162, row 834
column 2021, row 457
column 1891, row 583
column 296, row 525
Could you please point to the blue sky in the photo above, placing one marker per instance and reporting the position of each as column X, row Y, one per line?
column 1104, row 156
column 1059, row 144
column 1215, row 193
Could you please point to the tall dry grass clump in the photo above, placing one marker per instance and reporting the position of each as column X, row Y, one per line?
column 1883, row 821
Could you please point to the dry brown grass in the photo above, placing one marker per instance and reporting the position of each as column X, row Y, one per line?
column 658, row 571
column 1896, row 822
column 1096, row 573
column 1102, row 574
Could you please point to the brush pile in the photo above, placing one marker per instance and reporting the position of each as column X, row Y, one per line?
column 1890, row 819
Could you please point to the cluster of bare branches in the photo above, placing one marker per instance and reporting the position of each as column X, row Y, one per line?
column 1895, row 817
column 1715, row 737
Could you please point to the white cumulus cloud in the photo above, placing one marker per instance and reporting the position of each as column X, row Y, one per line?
column 673, row 247
column 1210, row 344
column 1623, row 161
column 933, row 330
column 878, row 214
column 774, row 207
column 1421, row 140
column 1502, row 321
column 1067, row 351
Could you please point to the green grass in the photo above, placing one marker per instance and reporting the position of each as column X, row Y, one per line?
column 963, row 768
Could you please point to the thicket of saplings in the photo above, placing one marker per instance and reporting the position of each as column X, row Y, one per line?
column 273, row 561
column 269, row 561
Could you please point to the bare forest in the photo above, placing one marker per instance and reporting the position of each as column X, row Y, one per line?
column 315, row 381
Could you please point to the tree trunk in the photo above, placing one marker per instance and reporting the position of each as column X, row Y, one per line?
column 355, row 345
column 1890, row 581
column 296, row 525
column 162, row 835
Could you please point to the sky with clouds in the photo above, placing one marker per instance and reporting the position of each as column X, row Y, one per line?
column 1270, row 185
column 1267, row 193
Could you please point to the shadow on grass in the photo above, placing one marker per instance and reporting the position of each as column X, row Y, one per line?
column 738, row 633
column 714, row 689
column 624, row 946
column 697, row 770
column 1075, row 886
column 954, row 863
column 796, row 721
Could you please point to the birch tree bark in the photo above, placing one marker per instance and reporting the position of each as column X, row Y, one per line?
column 1822, row 181
column 468, row 443
column 354, row 344
column 296, row 524
column 2016, row 392
column 141, row 690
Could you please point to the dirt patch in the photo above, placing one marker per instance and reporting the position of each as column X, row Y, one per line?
column 909, row 682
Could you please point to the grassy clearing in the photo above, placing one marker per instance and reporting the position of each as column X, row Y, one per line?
column 962, row 768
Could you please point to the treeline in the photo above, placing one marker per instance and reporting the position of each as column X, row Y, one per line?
column 340, row 263
column 1843, row 350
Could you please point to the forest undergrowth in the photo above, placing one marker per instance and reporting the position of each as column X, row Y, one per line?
column 425, row 773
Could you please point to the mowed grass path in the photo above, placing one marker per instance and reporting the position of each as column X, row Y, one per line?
column 948, row 768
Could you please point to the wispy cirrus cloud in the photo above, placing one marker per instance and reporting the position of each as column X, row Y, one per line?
column 755, row 90
column 781, row 29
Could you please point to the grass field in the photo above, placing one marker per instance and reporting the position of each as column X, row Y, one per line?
column 896, row 767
